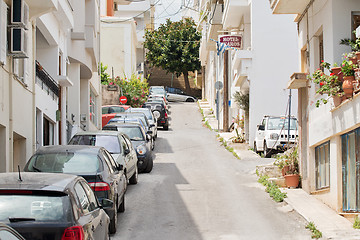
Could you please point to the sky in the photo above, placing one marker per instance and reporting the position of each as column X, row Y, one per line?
column 170, row 9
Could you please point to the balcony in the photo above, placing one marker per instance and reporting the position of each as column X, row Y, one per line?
column 65, row 13
column 46, row 81
column 41, row 7
column 297, row 80
column 234, row 11
column 215, row 18
column 288, row 6
column 242, row 61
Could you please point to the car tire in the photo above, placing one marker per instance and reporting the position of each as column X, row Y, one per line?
column 113, row 221
column 149, row 166
column 166, row 127
column 152, row 143
column 134, row 178
column 266, row 151
column 190, row 100
column 122, row 205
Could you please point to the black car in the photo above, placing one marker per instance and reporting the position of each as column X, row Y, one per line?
column 160, row 113
column 8, row 233
column 140, row 140
column 93, row 163
column 52, row 206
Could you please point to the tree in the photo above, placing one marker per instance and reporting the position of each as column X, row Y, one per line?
column 104, row 76
column 174, row 47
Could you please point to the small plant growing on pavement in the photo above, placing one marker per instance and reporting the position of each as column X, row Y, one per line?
column 356, row 224
column 271, row 188
column 315, row 232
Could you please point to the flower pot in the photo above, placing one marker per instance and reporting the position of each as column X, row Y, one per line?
column 358, row 56
column 292, row 180
column 338, row 100
column 284, row 170
column 348, row 86
column 337, row 72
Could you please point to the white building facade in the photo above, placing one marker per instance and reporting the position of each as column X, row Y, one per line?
column 262, row 65
column 329, row 135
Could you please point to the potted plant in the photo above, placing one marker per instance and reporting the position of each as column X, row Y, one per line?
column 239, row 138
column 288, row 162
column 348, row 69
column 328, row 84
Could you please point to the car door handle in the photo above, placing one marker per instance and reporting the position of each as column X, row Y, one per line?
column 101, row 222
column 93, row 228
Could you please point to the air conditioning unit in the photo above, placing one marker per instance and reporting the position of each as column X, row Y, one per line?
column 19, row 43
column 19, row 13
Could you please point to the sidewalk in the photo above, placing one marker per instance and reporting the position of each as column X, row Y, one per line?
column 326, row 220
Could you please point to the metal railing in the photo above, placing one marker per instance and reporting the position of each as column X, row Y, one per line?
column 47, row 79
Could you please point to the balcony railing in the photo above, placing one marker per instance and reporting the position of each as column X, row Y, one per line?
column 47, row 79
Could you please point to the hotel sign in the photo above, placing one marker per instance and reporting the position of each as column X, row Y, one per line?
column 234, row 41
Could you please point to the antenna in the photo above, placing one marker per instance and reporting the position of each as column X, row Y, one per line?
column 19, row 173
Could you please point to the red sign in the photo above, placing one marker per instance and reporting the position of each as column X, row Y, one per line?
column 123, row 99
column 231, row 40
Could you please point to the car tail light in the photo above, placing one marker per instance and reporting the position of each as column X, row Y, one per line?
column 73, row 233
column 99, row 186
column 166, row 116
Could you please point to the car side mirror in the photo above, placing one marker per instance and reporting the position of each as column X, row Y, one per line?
column 261, row 127
column 149, row 132
column 126, row 151
column 120, row 167
column 152, row 125
column 106, row 203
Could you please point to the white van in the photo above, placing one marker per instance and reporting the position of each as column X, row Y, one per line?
column 272, row 135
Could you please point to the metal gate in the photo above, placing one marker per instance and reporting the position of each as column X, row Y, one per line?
column 351, row 171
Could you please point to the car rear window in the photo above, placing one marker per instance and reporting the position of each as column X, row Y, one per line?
column 17, row 207
column 134, row 133
column 111, row 143
column 76, row 163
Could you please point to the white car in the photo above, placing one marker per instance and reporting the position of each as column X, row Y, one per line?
column 177, row 95
column 272, row 135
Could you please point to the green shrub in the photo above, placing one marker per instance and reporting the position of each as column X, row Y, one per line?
column 315, row 232
column 271, row 188
column 356, row 224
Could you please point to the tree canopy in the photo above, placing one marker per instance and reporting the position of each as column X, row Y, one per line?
column 174, row 47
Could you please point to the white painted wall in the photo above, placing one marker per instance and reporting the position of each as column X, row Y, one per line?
column 275, row 58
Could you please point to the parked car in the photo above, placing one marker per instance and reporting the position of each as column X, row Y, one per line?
column 109, row 111
column 159, row 97
column 52, row 206
column 140, row 140
column 159, row 111
column 149, row 115
column 178, row 95
column 95, row 164
column 8, row 233
column 159, row 100
column 272, row 134
column 118, row 145
column 128, row 116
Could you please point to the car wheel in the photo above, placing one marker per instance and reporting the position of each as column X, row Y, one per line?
column 113, row 221
column 152, row 144
column 266, row 151
column 149, row 166
column 122, row 205
column 166, row 127
column 190, row 100
column 134, row 177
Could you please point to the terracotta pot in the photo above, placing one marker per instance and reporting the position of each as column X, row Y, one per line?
column 358, row 56
column 337, row 71
column 292, row 180
column 284, row 170
column 347, row 86
column 338, row 100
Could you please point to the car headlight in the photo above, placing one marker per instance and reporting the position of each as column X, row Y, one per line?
column 274, row 136
column 141, row 149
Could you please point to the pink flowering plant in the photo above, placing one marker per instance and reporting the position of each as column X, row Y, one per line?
column 328, row 84
column 134, row 89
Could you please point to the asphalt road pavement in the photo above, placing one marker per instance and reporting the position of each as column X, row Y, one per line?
column 198, row 190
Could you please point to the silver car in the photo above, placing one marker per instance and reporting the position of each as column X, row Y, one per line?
column 119, row 146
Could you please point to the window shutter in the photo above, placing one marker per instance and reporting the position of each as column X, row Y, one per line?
column 25, row 70
column 3, row 31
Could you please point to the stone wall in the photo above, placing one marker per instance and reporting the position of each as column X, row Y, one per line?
column 110, row 97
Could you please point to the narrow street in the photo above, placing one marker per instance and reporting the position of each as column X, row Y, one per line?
column 198, row 190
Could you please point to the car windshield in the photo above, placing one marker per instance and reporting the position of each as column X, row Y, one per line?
column 65, row 162
column 14, row 207
column 134, row 133
column 279, row 123
column 114, row 109
column 142, row 110
column 111, row 143
column 134, row 120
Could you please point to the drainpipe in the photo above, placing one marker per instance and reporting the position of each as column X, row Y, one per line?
column 33, row 66
column 63, row 116
column 9, row 165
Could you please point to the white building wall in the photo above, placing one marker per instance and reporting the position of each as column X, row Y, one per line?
column 275, row 58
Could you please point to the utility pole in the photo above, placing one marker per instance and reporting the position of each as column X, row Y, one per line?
column 289, row 118
column 226, row 93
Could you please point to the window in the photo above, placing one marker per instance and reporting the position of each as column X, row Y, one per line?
column 322, row 166
column 321, row 51
column 48, row 132
column 91, row 196
column 83, row 199
column 355, row 22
